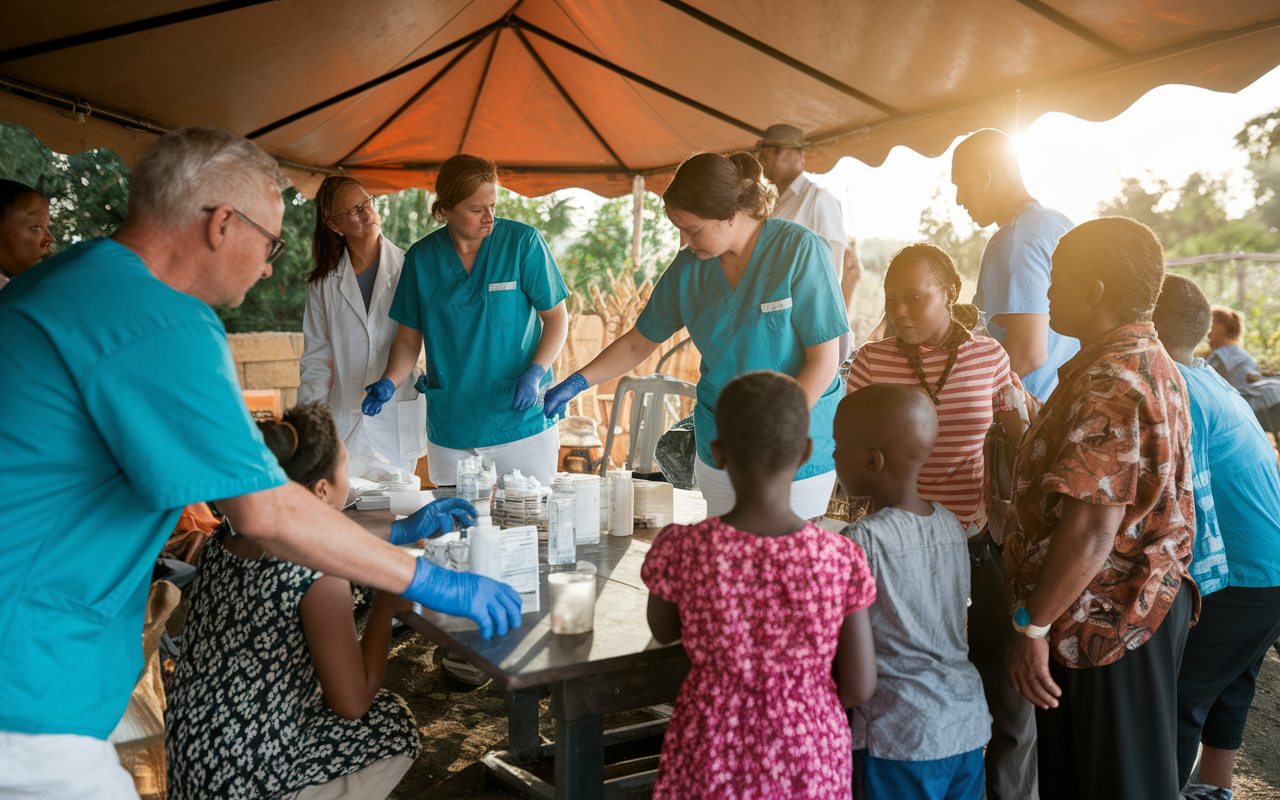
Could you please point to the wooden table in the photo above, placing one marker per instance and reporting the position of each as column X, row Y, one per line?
column 617, row 667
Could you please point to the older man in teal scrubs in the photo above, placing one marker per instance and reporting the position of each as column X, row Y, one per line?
column 120, row 406
column 755, row 293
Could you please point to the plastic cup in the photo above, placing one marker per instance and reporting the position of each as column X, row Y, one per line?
column 573, row 601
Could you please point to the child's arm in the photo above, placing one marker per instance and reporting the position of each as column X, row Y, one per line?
column 855, row 665
column 349, row 669
column 664, row 620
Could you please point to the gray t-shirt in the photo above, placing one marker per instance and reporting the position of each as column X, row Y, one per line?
column 928, row 702
column 365, row 281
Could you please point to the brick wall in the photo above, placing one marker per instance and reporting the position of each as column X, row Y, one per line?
column 268, row 361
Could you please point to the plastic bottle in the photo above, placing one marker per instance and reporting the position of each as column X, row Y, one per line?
column 486, row 548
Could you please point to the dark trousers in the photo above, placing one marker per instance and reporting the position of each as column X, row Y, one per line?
column 1220, row 669
column 1011, row 753
column 1114, row 733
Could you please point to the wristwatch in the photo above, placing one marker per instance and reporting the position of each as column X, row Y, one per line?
column 1022, row 624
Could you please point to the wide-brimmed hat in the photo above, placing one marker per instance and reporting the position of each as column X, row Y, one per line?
column 783, row 136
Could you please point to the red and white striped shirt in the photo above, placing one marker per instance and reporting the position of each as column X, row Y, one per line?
column 954, row 473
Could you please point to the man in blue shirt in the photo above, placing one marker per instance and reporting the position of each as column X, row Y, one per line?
column 120, row 406
column 1013, row 293
column 1013, row 280
column 1236, row 561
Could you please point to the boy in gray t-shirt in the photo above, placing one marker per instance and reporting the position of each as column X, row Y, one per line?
column 927, row 723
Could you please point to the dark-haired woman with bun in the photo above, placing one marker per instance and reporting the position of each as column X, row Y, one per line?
column 277, row 690
column 346, row 328
column 486, row 298
column 755, row 293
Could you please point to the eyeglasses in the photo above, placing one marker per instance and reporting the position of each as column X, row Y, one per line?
column 355, row 212
column 277, row 244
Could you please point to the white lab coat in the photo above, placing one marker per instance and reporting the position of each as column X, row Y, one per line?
column 346, row 349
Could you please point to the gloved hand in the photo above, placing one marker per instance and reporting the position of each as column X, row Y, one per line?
column 554, row 401
column 527, row 387
column 375, row 395
column 433, row 519
column 487, row 602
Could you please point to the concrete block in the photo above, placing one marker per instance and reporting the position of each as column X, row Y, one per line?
column 299, row 342
column 253, row 347
column 289, row 398
column 240, row 374
column 272, row 375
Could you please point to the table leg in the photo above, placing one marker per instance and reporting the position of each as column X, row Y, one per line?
column 522, row 724
column 580, row 758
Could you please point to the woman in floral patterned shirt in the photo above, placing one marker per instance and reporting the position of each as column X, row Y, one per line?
column 1101, row 530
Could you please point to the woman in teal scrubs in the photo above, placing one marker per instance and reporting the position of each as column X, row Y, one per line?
column 485, row 297
column 755, row 293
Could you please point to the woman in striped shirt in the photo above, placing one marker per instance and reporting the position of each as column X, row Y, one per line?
column 966, row 376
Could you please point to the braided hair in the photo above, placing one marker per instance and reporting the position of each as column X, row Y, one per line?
column 944, row 271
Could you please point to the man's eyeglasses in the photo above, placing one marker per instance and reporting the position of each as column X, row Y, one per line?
column 277, row 244
column 355, row 212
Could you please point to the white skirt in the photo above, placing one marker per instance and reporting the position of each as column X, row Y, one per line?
column 534, row 455
column 809, row 496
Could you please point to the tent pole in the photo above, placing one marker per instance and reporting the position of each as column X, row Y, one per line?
column 637, row 224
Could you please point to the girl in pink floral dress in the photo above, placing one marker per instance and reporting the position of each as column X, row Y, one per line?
column 766, row 603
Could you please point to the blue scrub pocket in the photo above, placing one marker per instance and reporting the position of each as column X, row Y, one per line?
column 776, row 331
column 439, row 416
column 504, row 418
column 506, row 307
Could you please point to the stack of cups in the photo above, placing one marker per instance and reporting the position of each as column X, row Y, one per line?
column 621, row 502
column 562, row 515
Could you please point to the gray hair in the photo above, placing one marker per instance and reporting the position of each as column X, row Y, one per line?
column 189, row 169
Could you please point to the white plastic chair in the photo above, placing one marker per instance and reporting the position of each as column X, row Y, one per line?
column 648, row 411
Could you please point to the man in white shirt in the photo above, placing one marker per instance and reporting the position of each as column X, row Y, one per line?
column 781, row 154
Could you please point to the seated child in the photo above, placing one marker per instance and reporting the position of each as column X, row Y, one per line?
column 921, row 735
column 276, row 691
column 765, row 602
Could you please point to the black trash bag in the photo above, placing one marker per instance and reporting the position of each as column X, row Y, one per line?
column 675, row 454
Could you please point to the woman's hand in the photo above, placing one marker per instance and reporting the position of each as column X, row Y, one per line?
column 527, row 387
column 558, row 396
column 376, row 394
column 432, row 520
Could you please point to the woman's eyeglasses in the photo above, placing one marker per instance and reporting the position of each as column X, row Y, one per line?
column 355, row 212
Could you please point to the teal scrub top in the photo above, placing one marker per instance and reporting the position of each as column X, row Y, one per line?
column 788, row 299
column 480, row 330
column 120, row 406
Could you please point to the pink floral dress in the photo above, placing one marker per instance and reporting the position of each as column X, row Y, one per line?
column 758, row 716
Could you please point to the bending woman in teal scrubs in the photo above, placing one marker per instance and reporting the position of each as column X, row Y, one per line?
column 755, row 293
column 486, row 298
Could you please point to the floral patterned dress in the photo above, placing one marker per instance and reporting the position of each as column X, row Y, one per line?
column 246, row 716
column 758, row 715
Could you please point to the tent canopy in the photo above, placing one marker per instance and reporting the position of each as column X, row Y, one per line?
column 589, row 93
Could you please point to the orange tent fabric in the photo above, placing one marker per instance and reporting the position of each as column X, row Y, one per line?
column 589, row 93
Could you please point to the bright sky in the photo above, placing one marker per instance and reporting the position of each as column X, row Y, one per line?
column 1070, row 164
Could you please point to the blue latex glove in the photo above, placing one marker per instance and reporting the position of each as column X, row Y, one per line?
column 375, row 395
column 558, row 396
column 490, row 604
column 433, row 519
column 527, row 387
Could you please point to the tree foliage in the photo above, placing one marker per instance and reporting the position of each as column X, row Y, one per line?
column 604, row 248
column 964, row 244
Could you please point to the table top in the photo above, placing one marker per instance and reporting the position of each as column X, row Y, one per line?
column 532, row 655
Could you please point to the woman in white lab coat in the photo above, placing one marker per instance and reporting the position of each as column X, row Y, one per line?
column 348, row 333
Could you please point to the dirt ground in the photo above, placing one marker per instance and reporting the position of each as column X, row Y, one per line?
column 459, row 725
